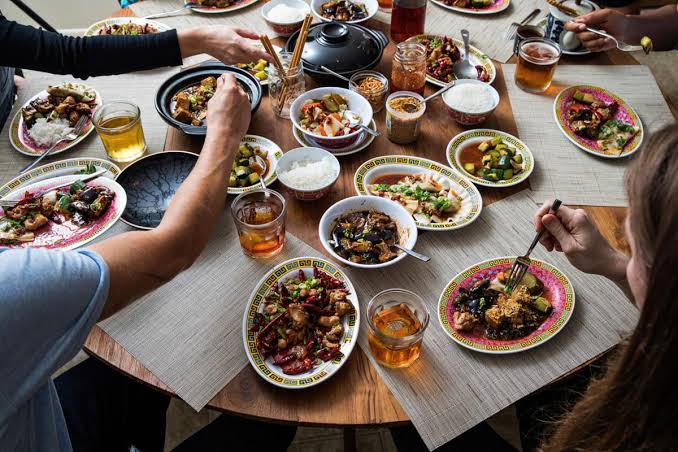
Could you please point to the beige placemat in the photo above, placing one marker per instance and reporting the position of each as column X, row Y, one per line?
column 138, row 87
column 564, row 171
column 450, row 389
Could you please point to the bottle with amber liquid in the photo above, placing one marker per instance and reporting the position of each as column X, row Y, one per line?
column 397, row 319
column 408, row 18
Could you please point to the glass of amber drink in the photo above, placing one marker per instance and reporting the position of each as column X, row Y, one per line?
column 259, row 217
column 119, row 127
column 397, row 319
column 537, row 61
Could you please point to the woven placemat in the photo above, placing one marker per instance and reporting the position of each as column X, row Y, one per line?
column 450, row 389
column 564, row 171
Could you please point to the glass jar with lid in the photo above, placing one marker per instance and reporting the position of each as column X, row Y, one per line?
column 408, row 71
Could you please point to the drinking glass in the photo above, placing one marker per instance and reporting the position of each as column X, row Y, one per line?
column 537, row 61
column 259, row 217
column 119, row 127
column 397, row 319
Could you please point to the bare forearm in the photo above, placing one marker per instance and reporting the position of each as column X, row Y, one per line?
column 615, row 271
column 660, row 25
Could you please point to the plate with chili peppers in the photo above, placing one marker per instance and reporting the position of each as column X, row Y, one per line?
column 301, row 323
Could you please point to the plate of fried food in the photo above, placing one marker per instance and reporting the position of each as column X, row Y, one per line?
column 51, row 115
column 217, row 6
column 301, row 323
column 474, row 6
column 46, row 214
column 125, row 26
column 443, row 51
column 437, row 197
column 598, row 121
column 477, row 312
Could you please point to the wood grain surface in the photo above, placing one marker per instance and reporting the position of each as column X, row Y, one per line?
column 355, row 396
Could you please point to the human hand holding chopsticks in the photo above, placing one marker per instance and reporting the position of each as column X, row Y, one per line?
column 229, row 45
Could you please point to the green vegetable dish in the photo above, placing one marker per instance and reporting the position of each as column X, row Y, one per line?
column 491, row 160
column 247, row 169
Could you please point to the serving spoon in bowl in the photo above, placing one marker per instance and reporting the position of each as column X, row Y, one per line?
column 421, row 257
column 464, row 68
column 354, row 120
column 412, row 108
column 264, row 167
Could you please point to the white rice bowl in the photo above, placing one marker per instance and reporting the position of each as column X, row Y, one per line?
column 46, row 133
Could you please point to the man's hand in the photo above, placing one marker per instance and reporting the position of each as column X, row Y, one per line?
column 611, row 21
column 229, row 110
column 229, row 45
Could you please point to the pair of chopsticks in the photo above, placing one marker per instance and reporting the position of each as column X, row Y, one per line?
column 294, row 61
column 565, row 9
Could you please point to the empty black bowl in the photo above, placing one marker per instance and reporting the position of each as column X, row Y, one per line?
column 150, row 184
column 193, row 76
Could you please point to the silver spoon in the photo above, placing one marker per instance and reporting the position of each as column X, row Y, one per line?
column 421, row 257
column 331, row 72
column 412, row 108
column 464, row 68
column 354, row 120
column 264, row 168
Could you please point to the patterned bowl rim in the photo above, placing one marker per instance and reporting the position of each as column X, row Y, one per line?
column 351, row 324
column 566, row 95
column 363, row 144
column 454, row 148
column 93, row 29
column 275, row 152
column 423, row 164
column 482, row 58
column 529, row 341
column 475, row 11
column 16, row 126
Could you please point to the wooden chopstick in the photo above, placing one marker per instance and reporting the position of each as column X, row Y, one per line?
column 565, row 9
column 266, row 42
column 301, row 41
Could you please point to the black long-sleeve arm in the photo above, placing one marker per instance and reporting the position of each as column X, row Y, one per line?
column 27, row 47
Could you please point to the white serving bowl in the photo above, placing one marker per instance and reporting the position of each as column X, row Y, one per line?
column 467, row 118
column 284, row 28
column 371, row 5
column 355, row 102
column 306, row 154
column 407, row 228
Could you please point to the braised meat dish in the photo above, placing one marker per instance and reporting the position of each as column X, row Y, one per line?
column 215, row 3
column 365, row 237
column 441, row 54
column 129, row 29
column 79, row 204
column 487, row 310
column 469, row 4
column 67, row 101
column 343, row 10
column 300, row 326
column 190, row 104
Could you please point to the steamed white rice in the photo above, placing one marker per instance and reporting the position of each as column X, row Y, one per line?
column 46, row 133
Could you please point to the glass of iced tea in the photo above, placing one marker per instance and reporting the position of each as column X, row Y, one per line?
column 537, row 61
column 259, row 216
column 119, row 127
column 397, row 319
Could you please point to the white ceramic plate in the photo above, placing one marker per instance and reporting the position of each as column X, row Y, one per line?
column 274, row 153
column 93, row 29
column 350, row 322
column 455, row 146
column 471, row 201
column 496, row 7
column 363, row 143
column 210, row 10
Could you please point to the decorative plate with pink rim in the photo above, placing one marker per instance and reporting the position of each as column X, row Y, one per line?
column 21, row 140
column 625, row 113
column 497, row 6
column 557, row 289
column 234, row 6
column 67, row 235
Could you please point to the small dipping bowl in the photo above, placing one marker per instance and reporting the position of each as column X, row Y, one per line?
column 282, row 27
column 403, row 127
column 307, row 154
column 376, row 98
column 469, row 118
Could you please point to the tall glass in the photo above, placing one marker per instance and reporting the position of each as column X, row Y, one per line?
column 284, row 88
column 537, row 61
column 259, row 217
column 119, row 127
column 397, row 319
column 408, row 18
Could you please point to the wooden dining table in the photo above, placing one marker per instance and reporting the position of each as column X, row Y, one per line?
column 356, row 396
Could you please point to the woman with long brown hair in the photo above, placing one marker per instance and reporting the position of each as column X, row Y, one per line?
column 634, row 404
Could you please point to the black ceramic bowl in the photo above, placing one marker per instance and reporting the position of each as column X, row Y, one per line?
column 341, row 47
column 150, row 184
column 193, row 76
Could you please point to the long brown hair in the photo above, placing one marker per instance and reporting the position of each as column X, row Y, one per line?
column 635, row 405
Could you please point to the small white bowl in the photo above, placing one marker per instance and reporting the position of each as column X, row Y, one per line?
column 355, row 102
column 308, row 154
column 371, row 5
column 466, row 118
column 407, row 228
column 285, row 28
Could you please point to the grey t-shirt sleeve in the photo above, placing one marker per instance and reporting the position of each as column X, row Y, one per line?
column 49, row 301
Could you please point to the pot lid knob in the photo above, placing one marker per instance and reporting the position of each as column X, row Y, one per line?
column 334, row 32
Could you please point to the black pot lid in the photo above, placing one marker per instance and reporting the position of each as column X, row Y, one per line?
column 342, row 47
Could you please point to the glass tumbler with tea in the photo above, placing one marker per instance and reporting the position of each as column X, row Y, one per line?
column 537, row 61
column 397, row 319
column 408, row 18
column 259, row 217
column 119, row 127
column 284, row 88
column 408, row 71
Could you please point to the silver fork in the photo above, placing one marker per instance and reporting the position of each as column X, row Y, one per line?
column 511, row 32
column 187, row 6
column 624, row 47
column 522, row 263
column 79, row 127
